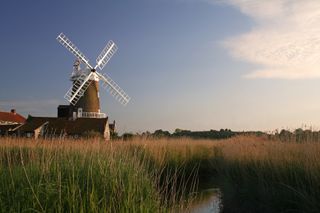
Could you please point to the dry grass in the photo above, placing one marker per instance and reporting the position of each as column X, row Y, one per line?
column 255, row 174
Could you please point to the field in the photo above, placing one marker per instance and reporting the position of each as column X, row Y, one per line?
column 254, row 174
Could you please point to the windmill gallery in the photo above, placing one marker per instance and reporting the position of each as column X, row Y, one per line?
column 82, row 116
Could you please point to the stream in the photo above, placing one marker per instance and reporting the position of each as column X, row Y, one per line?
column 208, row 201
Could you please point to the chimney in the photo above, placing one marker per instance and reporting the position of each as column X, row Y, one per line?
column 13, row 111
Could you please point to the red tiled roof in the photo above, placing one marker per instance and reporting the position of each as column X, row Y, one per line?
column 12, row 117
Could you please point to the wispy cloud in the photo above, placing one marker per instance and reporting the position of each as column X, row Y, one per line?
column 284, row 43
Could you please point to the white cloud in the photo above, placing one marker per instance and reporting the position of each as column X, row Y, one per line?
column 285, row 42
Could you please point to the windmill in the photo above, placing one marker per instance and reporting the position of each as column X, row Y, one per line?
column 83, row 95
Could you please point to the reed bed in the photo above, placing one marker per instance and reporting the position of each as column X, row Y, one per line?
column 255, row 174
column 84, row 176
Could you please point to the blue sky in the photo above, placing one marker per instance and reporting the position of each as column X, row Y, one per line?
column 190, row 64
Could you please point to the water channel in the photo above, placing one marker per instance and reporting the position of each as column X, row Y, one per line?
column 207, row 201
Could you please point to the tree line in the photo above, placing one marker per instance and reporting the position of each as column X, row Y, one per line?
column 284, row 135
column 181, row 133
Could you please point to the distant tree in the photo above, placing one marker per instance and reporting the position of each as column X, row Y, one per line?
column 127, row 136
column 146, row 134
column 298, row 131
column 285, row 135
column 299, row 135
column 176, row 131
column 160, row 133
column 114, row 135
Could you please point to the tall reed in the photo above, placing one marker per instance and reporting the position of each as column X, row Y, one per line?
column 255, row 174
column 82, row 176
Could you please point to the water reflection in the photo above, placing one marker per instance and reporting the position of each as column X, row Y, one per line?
column 208, row 201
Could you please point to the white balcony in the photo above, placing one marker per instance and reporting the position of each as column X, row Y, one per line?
column 92, row 115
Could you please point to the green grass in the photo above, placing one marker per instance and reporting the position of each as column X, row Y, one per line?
column 254, row 175
column 53, row 176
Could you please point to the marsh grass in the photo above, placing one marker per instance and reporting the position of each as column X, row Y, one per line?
column 84, row 176
column 270, row 176
column 255, row 174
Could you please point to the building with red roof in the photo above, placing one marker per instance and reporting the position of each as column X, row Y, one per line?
column 9, row 121
column 11, row 118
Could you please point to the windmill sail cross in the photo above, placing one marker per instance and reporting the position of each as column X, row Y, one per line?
column 81, row 84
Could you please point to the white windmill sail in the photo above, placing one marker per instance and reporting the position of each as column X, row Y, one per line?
column 78, row 88
column 82, row 83
column 106, row 54
column 73, row 49
column 114, row 89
